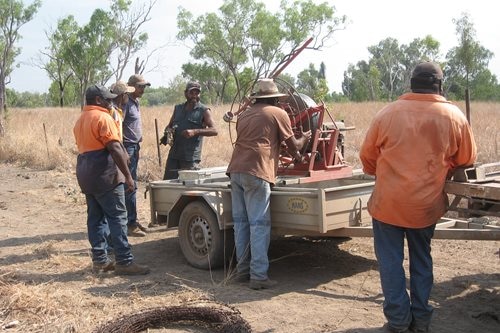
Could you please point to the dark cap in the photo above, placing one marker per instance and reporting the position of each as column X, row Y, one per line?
column 426, row 78
column 97, row 90
column 426, row 70
column 193, row 85
column 137, row 80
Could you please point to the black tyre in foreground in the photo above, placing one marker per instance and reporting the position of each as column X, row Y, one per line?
column 203, row 244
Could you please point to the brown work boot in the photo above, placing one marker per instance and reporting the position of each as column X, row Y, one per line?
column 262, row 284
column 132, row 269
column 103, row 267
column 135, row 231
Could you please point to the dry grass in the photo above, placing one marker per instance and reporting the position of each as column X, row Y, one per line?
column 57, row 293
column 29, row 144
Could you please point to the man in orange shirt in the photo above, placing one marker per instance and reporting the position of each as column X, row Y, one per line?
column 102, row 171
column 411, row 147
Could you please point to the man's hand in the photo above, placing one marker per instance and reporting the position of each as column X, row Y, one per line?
column 189, row 133
column 305, row 135
column 164, row 139
column 129, row 184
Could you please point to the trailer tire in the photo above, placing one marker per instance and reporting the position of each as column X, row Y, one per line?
column 202, row 242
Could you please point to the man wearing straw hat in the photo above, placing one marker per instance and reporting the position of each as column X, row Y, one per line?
column 253, row 167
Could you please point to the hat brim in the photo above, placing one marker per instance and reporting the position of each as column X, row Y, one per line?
column 256, row 96
column 108, row 95
column 139, row 83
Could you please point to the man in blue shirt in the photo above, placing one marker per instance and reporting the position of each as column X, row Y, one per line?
column 132, row 137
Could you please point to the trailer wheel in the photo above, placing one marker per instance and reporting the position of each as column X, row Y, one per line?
column 200, row 239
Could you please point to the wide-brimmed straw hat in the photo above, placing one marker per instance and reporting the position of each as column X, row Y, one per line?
column 267, row 89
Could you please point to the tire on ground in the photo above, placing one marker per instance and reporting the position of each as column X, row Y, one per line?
column 203, row 244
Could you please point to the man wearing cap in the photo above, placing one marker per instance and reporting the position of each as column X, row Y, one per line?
column 101, row 172
column 190, row 122
column 253, row 167
column 132, row 137
column 412, row 146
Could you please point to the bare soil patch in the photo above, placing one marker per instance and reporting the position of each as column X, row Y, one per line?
column 325, row 285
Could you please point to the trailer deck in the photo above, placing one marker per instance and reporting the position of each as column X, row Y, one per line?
column 199, row 205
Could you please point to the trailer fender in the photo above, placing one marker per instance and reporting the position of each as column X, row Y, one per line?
column 216, row 200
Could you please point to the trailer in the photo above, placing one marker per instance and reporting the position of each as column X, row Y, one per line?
column 318, row 196
column 198, row 204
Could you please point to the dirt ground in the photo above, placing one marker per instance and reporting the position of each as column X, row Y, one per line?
column 325, row 285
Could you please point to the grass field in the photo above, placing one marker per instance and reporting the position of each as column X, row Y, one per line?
column 43, row 138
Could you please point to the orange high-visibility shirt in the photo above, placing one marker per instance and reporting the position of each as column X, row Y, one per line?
column 411, row 146
column 94, row 129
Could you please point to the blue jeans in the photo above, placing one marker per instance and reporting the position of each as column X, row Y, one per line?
column 107, row 217
column 251, row 198
column 400, row 309
column 130, row 197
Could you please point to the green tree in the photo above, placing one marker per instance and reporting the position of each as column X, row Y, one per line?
column 386, row 75
column 322, row 71
column 362, row 82
column 70, row 96
column 387, row 56
column 56, row 67
column 85, row 54
column 25, row 99
column 467, row 63
column 310, row 82
column 244, row 34
column 88, row 50
column 128, row 35
column 13, row 15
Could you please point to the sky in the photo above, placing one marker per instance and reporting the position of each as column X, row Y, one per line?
column 369, row 22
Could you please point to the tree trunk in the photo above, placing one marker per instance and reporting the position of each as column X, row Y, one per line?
column 61, row 94
column 2, row 105
column 2, row 129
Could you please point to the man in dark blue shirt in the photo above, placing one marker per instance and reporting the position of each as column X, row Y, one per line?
column 190, row 122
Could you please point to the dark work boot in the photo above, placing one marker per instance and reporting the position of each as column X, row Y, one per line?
column 262, row 284
column 132, row 269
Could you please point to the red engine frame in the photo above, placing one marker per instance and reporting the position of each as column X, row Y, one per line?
column 324, row 160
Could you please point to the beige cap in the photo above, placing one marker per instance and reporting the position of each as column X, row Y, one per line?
column 120, row 87
column 138, row 80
